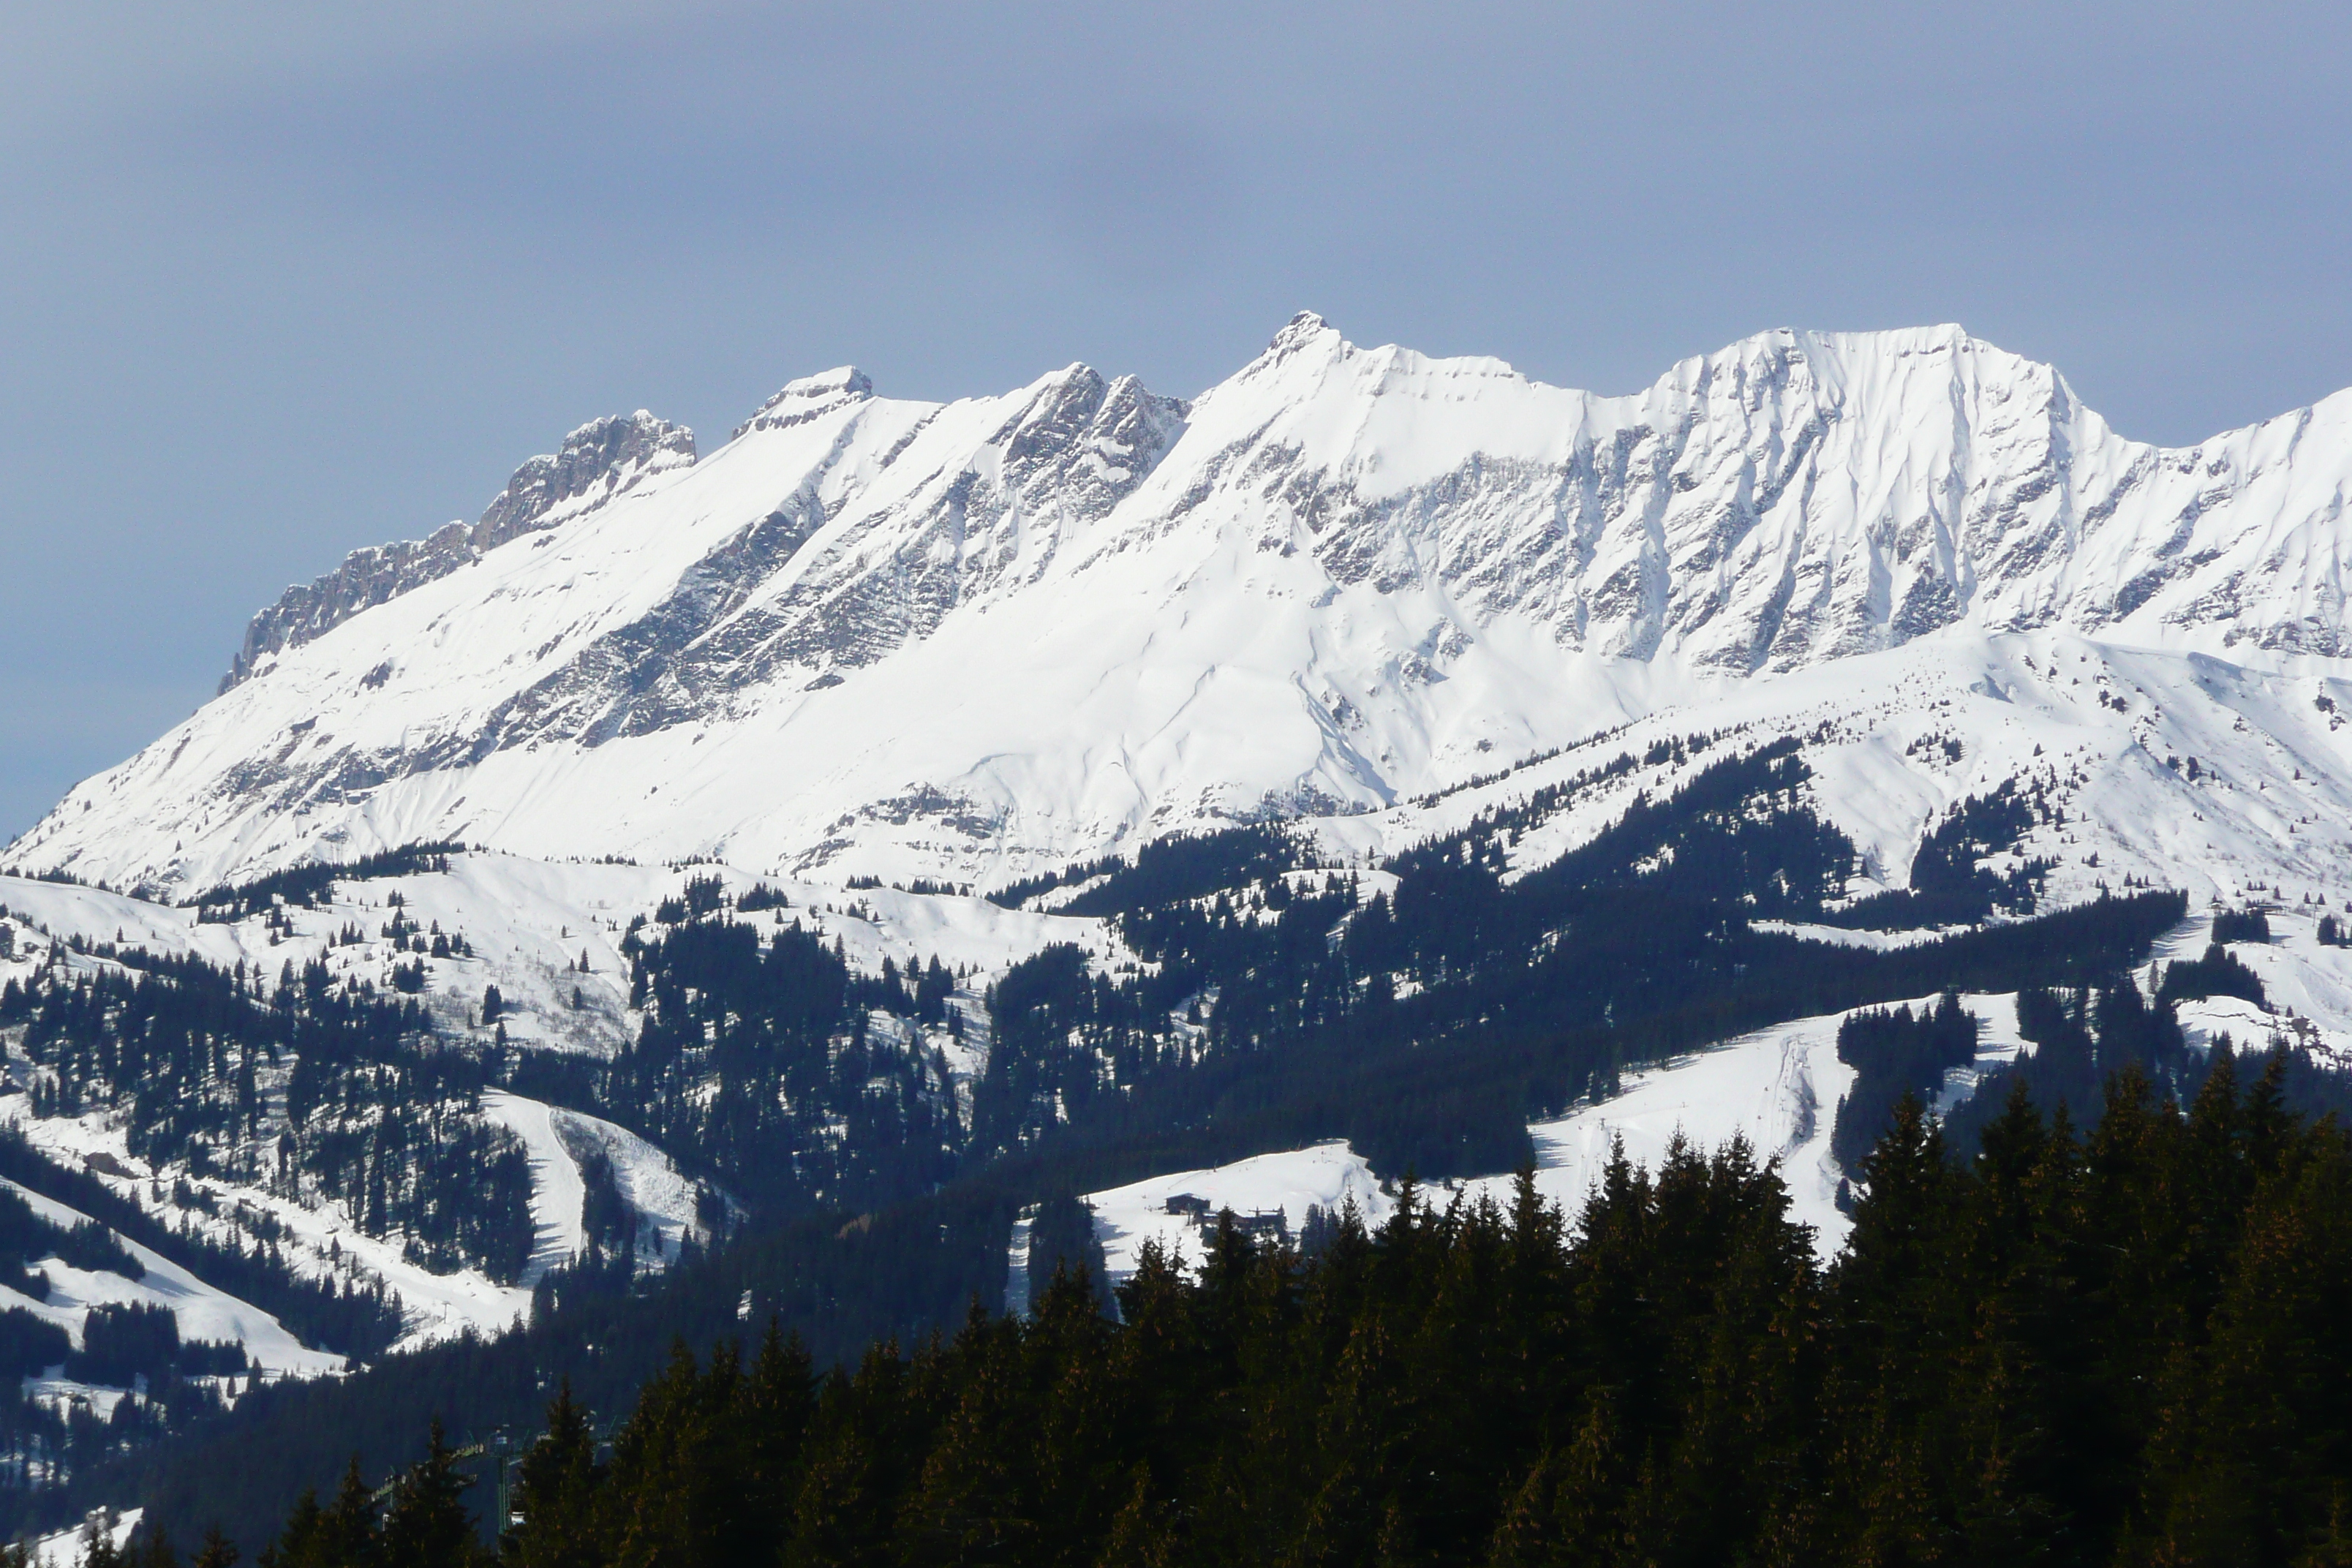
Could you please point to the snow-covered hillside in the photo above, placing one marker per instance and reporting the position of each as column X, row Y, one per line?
column 1375, row 596
column 1778, row 1089
column 967, row 641
column 546, row 936
column 525, row 921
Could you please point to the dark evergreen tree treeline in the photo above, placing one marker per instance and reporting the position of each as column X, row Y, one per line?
column 2122, row 1347
column 759, row 1060
column 1949, row 884
column 315, row 1083
column 352, row 1319
column 1427, row 1026
column 308, row 886
column 1895, row 1054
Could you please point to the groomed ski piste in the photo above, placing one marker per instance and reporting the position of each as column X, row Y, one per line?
column 555, row 1138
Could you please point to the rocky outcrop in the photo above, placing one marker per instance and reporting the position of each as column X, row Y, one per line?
column 596, row 462
column 602, row 459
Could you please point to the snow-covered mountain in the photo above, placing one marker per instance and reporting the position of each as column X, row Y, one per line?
column 1382, row 597
column 965, row 641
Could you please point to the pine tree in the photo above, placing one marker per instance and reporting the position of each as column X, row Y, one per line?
column 556, row 1494
column 676, row 1494
column 772, row 1416
column 342, row 1535
column 425, row 1524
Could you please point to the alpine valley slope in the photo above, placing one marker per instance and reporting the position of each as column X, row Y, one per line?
column 974, row 640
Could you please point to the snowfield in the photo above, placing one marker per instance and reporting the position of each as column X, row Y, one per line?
column 1327, row 1176
column 321, row 1241
column 665, row 1201
column 556, row 1140
column 69, row 1548
column 557, row 1193
column 202, row 1313
column 1778, row 1089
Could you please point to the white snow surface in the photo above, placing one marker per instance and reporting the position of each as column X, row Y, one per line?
column 530, row 922
column 1778, row 1089
column 555, row 1139
column 202, row 1311
column 2309, row 988
column 557, row 1193
column 320, row 1240
column 647, row 1179
column 69, row 1548
column 967, row 641
column 1325, row 1176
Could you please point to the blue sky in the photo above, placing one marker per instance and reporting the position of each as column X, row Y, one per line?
column 278, row 281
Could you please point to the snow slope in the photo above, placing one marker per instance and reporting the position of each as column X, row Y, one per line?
column 69, row 1548
column 557, row 1193
column 528, row 922
column 649, row 1181
column 319, row 1240
column 1326, row 1176
column 202, row 1311
column 1778, row 1089
column 966, row 641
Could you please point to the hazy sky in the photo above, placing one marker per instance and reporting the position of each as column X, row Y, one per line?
column 278, row 280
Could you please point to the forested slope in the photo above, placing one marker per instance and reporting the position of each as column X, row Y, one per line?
column 2117, row 1347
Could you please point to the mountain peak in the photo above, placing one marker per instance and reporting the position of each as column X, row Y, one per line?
column 810, row 397
column 602, row 456
column 1301, row 329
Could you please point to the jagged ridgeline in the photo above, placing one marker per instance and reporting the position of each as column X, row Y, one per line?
column 1419, row 539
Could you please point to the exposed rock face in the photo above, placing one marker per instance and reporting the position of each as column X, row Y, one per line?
column 1035, row 624
column 366, row 578
column 598, row 461
column 602, row 459
column 1797, row 497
